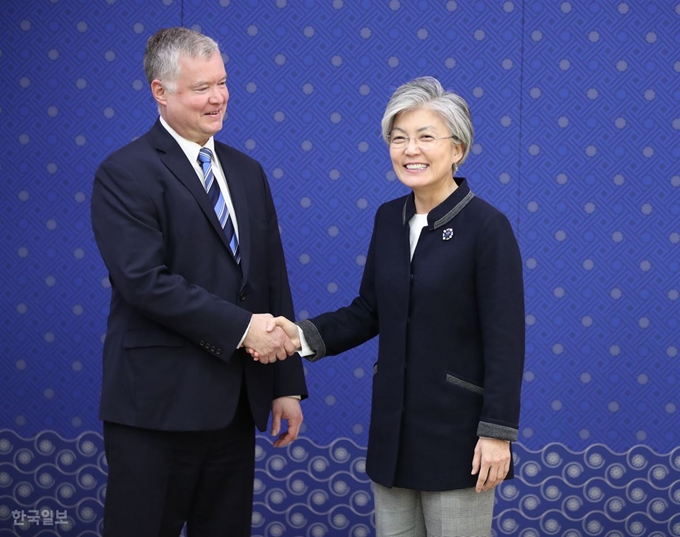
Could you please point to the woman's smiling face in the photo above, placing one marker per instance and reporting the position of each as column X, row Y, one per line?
column 425, row 163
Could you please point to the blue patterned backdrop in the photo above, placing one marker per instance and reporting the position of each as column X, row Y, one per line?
column 576, row 106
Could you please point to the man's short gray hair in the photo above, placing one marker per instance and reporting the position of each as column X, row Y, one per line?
column 164, row 48
column 427, row 92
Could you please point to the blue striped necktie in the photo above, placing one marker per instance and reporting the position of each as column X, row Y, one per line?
column 205, row 157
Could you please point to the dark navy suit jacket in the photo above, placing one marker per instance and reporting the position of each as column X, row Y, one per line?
column 451, row 352
column 179, row 302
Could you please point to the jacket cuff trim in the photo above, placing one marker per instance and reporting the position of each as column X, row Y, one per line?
column 500, row 432
column 314, row 340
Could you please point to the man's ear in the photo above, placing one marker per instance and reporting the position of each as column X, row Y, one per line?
column 159, row 91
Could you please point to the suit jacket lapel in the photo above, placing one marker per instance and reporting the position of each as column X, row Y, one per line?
column 175, row 160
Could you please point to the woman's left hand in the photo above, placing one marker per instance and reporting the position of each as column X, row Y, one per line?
column 491, row 461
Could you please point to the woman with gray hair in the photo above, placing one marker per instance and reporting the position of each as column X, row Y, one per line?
column 442, row 286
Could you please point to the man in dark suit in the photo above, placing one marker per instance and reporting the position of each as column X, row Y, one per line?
column 188, row 231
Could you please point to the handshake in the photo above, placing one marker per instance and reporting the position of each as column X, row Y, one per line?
column 271, row 338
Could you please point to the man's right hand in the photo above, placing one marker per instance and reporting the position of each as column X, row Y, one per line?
column 273, row 326
column 266, row 341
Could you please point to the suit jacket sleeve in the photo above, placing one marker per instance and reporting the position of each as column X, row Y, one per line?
column 500, row 299
column 127, row 228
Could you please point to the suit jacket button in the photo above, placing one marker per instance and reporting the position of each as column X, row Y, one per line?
column 218, row 351
column 202, row 343
column 242, row 296
column 212, row 348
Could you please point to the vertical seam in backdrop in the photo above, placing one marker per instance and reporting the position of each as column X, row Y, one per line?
column 521, row 118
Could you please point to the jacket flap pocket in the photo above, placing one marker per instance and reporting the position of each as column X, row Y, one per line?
column 463, row 384
column 135, row 339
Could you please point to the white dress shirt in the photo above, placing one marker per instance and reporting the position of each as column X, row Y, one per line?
column 191, row 150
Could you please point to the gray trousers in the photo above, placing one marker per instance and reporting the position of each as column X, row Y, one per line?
column 451, row 513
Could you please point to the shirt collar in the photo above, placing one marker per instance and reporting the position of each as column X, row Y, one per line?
column 190, row 148
column 446, row 210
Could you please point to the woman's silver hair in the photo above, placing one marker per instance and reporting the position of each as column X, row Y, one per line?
column 427, row 92
column 164, row 48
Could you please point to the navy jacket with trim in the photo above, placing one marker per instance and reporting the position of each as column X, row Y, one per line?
column 451, row 339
